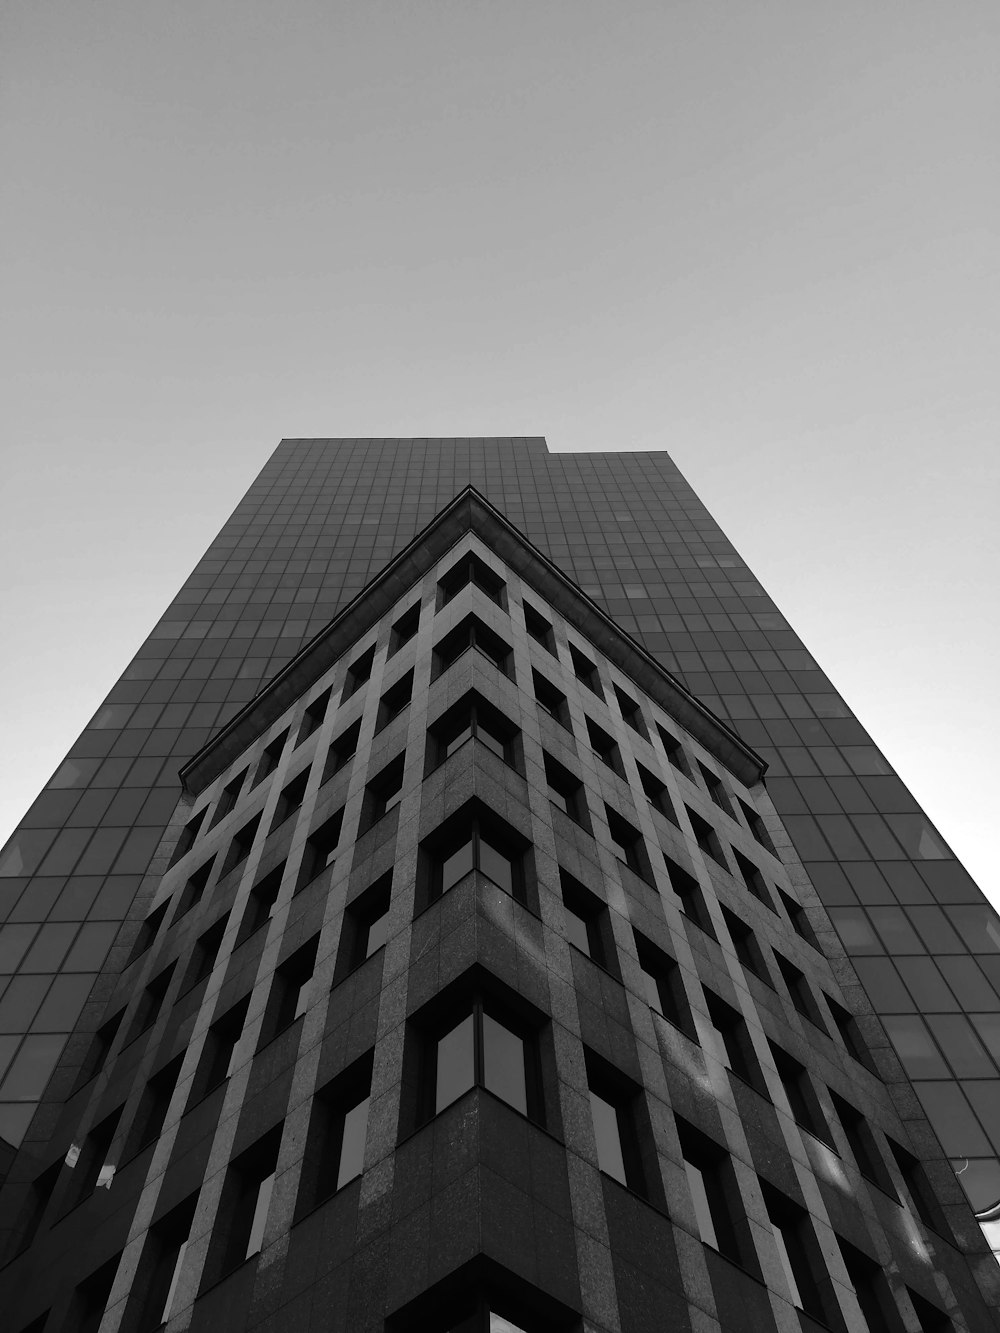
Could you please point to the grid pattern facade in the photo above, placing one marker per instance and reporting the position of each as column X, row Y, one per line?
column 281, row 1133
column 320, row 520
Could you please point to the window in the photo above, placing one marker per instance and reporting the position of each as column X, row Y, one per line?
column 204, row 954
column 850, row 1033
column 614, row 1107
column 320, row 847
column 260, row 904
column 189, row 832
column 802, row 1099
column 358, row 673
column 394, row 700
column 92, row 1170
column 42, row 1189
column 470, row 569
column 706, row 837
column 859, row 1136
column 230, row 795
column 585, row 671
column 752, row 878
column 239, row 848
column 729, row 1040
column 605, row 747
column 290, row 992
column 674, row 751
column 487, row 1046
column 194, row 890
column 404, row 629
column 151, row 1002
column 243, row 1208
column 155, row 1288
column 342, row 751
column 663, row 985
column 472, row 633
column 929, row 1317
column 290, row 800
column 218, row 1059
column 100, row 1049
column 335, row 1141
column 716, row 789
column 799, row 1254
column 588, row 925
column 796, row 914
column 919, row 1188
column 692, row 900
column 270, row 759
column 382, row 794
column 153, row 1107
column 756, row 826
column 748, row 950
column 539, row 629
column 630, row 711
column 799, row 990
column 657, row 794
column 628, row 844
column 473, row 839
column 90, row 1298
column 366, row 926
column 148, row 931
column 472, row 718
column 314, row 716
column 551, row 700
column 874, row 1294
column 718, row 1206
column 566, row 791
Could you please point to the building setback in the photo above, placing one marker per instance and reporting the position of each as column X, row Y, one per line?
column 674, row 869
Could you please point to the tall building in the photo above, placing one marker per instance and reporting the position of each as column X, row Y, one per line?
column 455, row 987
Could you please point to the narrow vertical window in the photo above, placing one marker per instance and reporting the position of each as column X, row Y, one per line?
column 338, row 1131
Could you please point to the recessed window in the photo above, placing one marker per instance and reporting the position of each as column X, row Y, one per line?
column 716, row 789
column 862, row 1142
column 588, row 925
column 614, row 1108
column 752, row 878
column 218, row 1058
column 470, row 569
column 657, row 794
column 269, row 759
column 472, row 633
column 260, row 904
column 204, row 954
column 730, row 1042
column 706, row 837
column 605, row 747
column 922, row 1195
column 800, row 1257
column 692, row 900
column 472, row 718
column 148, row 931
column 394, row 700
column 674, row 751
column 290, row 991
column 366, row 926
column 90, row 1298
column 630, row 711
column 483, row 1043
column 320, row 849
column 239, row 848
column 383, row 793
column 155, row 1290
column 663, row 985
column 290, row 800
column 551, row 700
column 243, row 1208
column 473, row 839
column 628, row 844
column 151, row 1002
column 718, row 1205
column 341, row 751
column 756, row 826
column 358, row 673
column 850, row 1033
column 748, row 950
column 404, row 629
column 338, row 1130
column 314, row 716
column 230, row 795
column 194, row 890
column 929, row 1317
column 539, row 629
column 796, row 914
column 100, row 1049
column 585, row 671
column 878, row 1308
column 189, row 833
column 799, row 990
column 92, row 1168
column 802, row 1099
column 153, row 1106
column 566, row 791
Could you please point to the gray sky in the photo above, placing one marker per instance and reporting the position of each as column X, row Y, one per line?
column 762, row 235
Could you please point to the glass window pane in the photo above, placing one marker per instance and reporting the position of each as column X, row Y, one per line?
column 456, row 866
column 897, row 933
column 20, row 1002
column 172, row 1289
column 458, row 740
column 609, row 1142
column 378, row 933
column 455, row 1064
column 352, row 1149
column 49, row 947
column 260, row 1215
column 503, row 1064
column 965, row 1052
column 651, row 990
column 500, row 1325
column 988, row 1027
column 91, row 947
column 855, row 930
column 491, row 742
column 496, row 866
column 702, row 1211
column 786, row 1264
column 28, row 1075
column 13, row 942
column 576, row 930
column 917, row 1052
column 63, row 1003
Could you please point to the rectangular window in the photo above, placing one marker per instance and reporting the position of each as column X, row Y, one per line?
column 692, row 900
column 588, row 925
column 189, row 833
column 404, row 629
column 260, row 904
column 472, row 633
column 539, row 629
column 799, row 990
column 395, row 699
column 850, row 1033
column 290, row 800
column 230, row 795
column 218, row 1059
column 470, row 569
column 100, row 1049
column 358, row 673
column 550, row 700
column 90, row 1298
column 239, row 848
column 716, row 789
column 799, row 1255
column 269, row 759
column 706, row 837
column 473, row 840
column 756, row 826
column 878, row 1308
column 657, row 794
column 290, row 992
column 153, row 1107
column 485, row 1046
column 747, row 948
column 630, row 711
column 566, row 791
column 862, row 1143
column 366, row 926
column 729, row 1040
column 151, row 1002
column 585, row 671
column 472, row 718
column 148, row 931
column 155, row 1289
column 193, row 890
column 674, row 751
column 663, row 986
column 802, row 1099
column 243, row 1208
column 335, row 1141
column 314, row 716
column 382, row 794
column 796, row 914
column 925, row 1202
column 718, row 1206
column 613, row 1108
column 628, row 844
column 92, row 1169
column 204, row 954
column 752, row 878
column 605, row 747
column 341, row 751
column 929, row 1317
column 319, row 851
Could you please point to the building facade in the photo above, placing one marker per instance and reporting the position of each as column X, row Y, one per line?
column 313, row 533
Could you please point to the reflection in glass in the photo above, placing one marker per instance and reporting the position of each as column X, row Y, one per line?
column 455, row 1064
column 256, row 1237
column 352, row 1148
column 456, row 866
column 702, row 1210
column 503, row 1064
column 496, row 866
column 608, row 1135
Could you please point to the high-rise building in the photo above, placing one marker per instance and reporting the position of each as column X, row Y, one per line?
column 460, row 987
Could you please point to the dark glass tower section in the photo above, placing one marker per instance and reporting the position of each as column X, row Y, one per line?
column 320, row 520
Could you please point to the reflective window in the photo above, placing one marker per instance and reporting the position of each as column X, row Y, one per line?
column 914, row 1046
column 488, row 1048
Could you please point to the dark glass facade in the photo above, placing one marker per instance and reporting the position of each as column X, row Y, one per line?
column 321, row 519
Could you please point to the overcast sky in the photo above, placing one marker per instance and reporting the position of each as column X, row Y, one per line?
column 761, row 234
